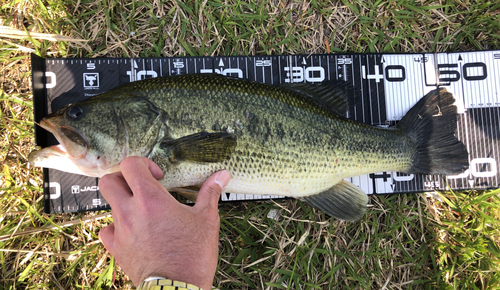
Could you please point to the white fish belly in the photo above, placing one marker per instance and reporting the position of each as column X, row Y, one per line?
column 290, row 184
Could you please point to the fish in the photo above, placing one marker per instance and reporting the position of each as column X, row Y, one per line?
column 290, row 140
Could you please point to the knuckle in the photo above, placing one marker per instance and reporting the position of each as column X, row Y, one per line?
column 213, row 190
column 105, row 180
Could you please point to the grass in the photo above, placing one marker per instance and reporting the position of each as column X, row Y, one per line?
column 467, row 238
column 303, row 250
column 448, row 240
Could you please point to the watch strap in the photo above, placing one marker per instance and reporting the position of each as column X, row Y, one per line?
column 159, row 283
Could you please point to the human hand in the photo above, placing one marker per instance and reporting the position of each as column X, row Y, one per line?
column 152, row 234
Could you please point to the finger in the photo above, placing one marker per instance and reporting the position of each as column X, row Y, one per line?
column 142, row 175
column 154, row 169
column 114, row 189
column 107, row 237
column 210, row 191
column 135, row 163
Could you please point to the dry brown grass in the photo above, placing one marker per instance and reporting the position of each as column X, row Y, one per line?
column 282, row 27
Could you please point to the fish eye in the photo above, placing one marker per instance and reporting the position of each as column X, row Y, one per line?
column 74, row 112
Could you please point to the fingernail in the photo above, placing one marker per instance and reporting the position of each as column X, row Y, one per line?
column 223, row 178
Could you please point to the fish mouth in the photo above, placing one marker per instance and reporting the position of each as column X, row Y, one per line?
column 72, row 144
column 70, row 155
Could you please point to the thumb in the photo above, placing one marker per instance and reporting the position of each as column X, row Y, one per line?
column 107, row 237
column 210, row 190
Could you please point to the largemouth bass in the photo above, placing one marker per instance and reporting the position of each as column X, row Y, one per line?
column 289, row 140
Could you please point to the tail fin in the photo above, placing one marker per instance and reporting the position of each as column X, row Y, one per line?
column 431, row 125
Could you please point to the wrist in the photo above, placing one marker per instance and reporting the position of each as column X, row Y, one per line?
column 161, row 283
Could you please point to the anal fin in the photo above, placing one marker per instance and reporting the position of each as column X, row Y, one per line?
column 343, row 201
column 188, row 192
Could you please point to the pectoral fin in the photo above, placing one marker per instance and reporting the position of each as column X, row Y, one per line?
column 199, row 147
column 344, row 201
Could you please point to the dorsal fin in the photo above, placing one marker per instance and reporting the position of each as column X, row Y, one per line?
column 331, row 94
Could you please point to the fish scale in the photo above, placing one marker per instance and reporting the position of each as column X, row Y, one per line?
column 285, row 164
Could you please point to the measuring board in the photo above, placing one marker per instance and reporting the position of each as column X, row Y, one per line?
column 388, row 85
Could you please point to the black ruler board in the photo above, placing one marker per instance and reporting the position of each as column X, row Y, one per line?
column 388, row 84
